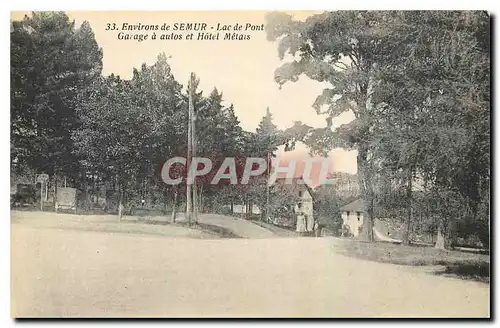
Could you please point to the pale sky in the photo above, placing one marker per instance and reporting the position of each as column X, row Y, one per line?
column 243, row 70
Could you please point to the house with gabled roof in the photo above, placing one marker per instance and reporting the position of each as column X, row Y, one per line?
column 304, row 200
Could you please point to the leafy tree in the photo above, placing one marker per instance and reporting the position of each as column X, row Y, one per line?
column 128, row 128
column 429, row 128
column 158, row 94
column 267, row 137
column 417, row 83
column 233, row 139
column 51, row 62
column 341, row 48
column 109, row 139
column 327, row 207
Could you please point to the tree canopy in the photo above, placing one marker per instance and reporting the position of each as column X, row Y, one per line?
column 418, row 85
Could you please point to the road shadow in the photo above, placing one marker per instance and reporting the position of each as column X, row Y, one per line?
column 468, row 270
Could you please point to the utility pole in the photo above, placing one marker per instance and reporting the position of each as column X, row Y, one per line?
column 41, row 196
column 193, row 149
column 189, row 149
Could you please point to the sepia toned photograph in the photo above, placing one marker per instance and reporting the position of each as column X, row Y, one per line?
column 250, row 164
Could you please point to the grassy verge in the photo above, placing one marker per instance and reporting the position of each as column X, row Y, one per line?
column 456, row 263
column 110, row 223
column 216, row 230
column 282, row 232
column 151, row 222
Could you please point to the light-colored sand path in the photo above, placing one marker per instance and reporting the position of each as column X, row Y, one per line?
column 70, row 273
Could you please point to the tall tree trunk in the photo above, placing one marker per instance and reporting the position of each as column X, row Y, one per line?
column 41, row 195
column 120, row 203
column 93, row 189
column 247, row 201
column 366, row 188
column 174, row 206
column 244, row 206
column 55, row 190
column 451, row 240
column 364, row 166
column 408, row 217
column 189, row 151
column 201, row 203
column 195, row 203
column 97, row 190
column 189, row 207
column 194, row 153
column 145, row 193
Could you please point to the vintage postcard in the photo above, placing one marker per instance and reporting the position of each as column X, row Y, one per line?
column 250, row 164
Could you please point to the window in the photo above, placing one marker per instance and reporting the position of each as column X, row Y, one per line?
column 299, row 205
column 348, row 213
column 359, row 215
column 300, row 193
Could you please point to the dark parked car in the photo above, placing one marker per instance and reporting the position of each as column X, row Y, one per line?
column 25, row 194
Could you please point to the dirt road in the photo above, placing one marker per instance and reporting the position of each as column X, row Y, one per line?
column 239, row 227
column 67, row 273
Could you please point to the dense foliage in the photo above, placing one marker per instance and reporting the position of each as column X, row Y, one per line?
column 418, row 84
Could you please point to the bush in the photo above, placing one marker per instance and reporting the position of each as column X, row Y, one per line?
column 478, row 270
column 345, row 231
column 473, row 233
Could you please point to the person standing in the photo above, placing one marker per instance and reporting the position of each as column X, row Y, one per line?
column 301, row 223
column 309, row 224
column 317, row 228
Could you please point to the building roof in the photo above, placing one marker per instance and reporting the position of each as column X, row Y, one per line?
column 300, row 169
column 354, row 206
column 296, row 181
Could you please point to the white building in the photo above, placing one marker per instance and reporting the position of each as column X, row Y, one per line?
column 352, row 216
column 304, row 203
